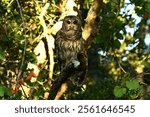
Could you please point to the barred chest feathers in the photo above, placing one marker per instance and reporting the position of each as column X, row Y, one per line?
column 70, row 48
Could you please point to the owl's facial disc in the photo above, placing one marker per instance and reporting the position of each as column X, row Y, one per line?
column 71, row 27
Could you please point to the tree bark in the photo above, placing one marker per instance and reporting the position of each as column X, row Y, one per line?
column 92, row 22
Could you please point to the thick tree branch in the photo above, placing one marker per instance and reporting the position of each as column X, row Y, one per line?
column 49, row 39
column 64, row 75
column 92, row 22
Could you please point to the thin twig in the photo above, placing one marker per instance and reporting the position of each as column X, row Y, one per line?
column 25, row 45
column 121, row 68
column 10, row 3
column 25, row 40
column 117, row 60
column 25, row 95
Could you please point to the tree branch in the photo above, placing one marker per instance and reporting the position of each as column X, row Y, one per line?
column 92, row 22
column 64, row 75
column 25, row 40
column 25, row 46
column 50, row 41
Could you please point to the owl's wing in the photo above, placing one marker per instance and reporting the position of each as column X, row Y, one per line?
column 57, row 66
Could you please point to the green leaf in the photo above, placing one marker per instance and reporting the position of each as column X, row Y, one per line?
column 100, row 39
column 119, row 91
column 146, row 64
column 132, row 84
column 117, row 44
column 147, row 7
column 2, row 90
column 7, row 92
column 18, row 95
column 1, row 53
column 119, row 36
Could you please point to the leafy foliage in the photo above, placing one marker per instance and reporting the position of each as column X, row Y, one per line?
column 119, row 92
column 119, row 60
column 4, row 91
column 130, row 90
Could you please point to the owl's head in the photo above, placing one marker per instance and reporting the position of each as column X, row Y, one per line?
column 71, row 24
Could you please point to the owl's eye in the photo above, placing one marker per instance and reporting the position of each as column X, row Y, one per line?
column 68, row 22
column 75, row 22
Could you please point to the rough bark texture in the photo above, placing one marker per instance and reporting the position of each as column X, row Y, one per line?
column 92, row 22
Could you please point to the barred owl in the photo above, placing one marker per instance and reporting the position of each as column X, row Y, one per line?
column 69, row 46
column 69, row 42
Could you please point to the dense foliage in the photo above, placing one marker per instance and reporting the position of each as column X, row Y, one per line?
column 119, row 57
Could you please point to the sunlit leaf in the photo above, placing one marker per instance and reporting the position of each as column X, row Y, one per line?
column 119, row 91
column 132, row 84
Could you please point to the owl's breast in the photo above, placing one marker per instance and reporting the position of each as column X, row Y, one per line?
column 69, row 48
column 71, row 45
